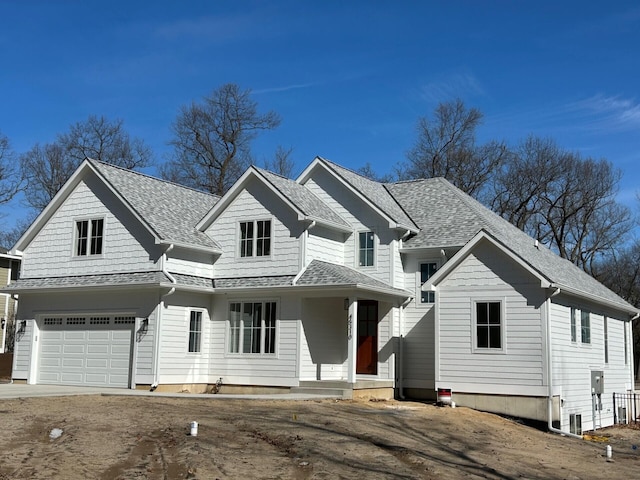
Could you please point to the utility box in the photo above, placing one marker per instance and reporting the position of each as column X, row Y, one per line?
column 597, row 382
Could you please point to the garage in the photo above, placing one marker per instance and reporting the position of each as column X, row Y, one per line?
column 86, row 350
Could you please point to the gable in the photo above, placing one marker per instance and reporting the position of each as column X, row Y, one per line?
column 127, row 245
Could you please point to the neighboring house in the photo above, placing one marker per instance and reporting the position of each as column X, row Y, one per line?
column 331, row 280
column 9, row 269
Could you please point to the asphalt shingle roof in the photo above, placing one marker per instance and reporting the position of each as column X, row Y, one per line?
column 449, row 217
column 319, row 273
column 171, row 210
column 299, row 195
column 102, row 280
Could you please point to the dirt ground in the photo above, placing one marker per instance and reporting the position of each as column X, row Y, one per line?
column 106, row 437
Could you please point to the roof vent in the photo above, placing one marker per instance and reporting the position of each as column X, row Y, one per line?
column 536, row 244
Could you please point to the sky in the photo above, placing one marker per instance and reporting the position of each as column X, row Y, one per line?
column 350, row 79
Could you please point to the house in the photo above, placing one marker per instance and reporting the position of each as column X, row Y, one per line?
column 9, row 268
column 330, row 281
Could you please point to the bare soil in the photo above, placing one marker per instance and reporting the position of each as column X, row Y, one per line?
column 106, row 437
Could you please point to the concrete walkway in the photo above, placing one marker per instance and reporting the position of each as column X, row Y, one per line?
column 13, row 390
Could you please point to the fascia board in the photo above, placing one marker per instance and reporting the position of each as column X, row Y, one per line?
column 304, row 176
column 442, row 273
column 627, row 308
column 52, row 207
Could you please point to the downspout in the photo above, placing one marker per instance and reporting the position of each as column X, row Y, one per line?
column 156, row 363
column 550, row 371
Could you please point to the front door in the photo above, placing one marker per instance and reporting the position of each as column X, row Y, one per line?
column 367, row 357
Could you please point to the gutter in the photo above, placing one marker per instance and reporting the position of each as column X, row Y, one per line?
column 550, row 371
column 156, row 363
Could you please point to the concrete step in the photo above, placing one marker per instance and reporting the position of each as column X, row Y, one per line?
column 325, row 391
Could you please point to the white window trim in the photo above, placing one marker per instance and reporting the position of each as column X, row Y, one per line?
column 357, row 250
column 276, row 353
column 74, row 235
column 202, row 321
column 253, row 256
column 503, row 325
column 418, row 299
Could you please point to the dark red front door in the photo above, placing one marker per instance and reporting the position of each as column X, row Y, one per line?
column 367, row 357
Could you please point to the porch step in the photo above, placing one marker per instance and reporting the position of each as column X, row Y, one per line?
column 323, row 391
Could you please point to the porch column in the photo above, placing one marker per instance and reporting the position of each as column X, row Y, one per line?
column 352, row 339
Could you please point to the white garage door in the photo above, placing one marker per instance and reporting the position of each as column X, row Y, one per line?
column 91, row 351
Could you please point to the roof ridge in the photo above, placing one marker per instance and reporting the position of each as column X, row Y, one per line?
column 151, row 177
column 331, row 162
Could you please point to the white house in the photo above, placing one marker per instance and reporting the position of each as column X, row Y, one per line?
column 330, row 281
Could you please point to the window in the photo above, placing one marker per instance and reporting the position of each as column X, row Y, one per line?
column 365, row 248
column 426, row 272
column 488, row 325
column 255, row 238
column 585, row 327
column 606, row 341
column 624, row 328
column 573, row 324
column 575, row 423
column 252, row 327
column 89, row 237
column 195, row 331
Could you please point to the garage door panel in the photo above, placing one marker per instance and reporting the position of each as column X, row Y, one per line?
column 91, row 354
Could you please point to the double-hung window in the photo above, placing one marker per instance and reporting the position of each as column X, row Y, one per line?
column 366, row 249
column 195, row 331
column 255, row 238
column 489, row 325
column 89, row 237
column 427, row 270
column 252, row 327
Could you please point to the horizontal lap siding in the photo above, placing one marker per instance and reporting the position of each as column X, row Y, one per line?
column 257, row 203
column 177, row 364
column 324, row 330
column 256, row 369
column 574, row 361
column 362, row 218
column 490, row 275
column 199, row 264
column 22, row 351
column 326, row 245
column 52, row 248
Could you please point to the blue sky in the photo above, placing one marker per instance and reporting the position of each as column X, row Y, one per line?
column 349, row 79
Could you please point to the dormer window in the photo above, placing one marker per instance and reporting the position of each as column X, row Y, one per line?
column 255, row 238
column 89, row 237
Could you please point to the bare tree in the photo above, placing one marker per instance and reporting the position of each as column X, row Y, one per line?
column 10, row 180
column 212, row 139
column 446, row 147
column 368, row 171
column 566, row 201
column 107, row 141
column 47, row 167
column 281, row 163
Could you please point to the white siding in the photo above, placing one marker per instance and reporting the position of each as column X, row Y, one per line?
column 386, row 341
column 573, row 362
column 199, row 264
column 177, row 364
column 324, row 330
column 363, row 218
column 489, row 274
column 257, row 203
column 23, row 350
column 52, row 250
column 256, row 369
column 326, row 245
